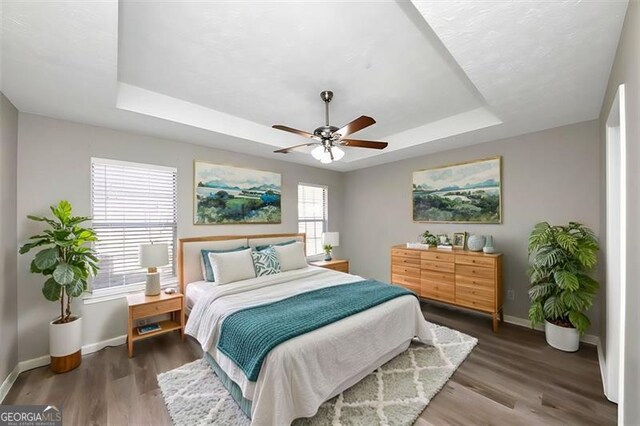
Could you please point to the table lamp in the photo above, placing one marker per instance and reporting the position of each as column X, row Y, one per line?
column 152, row 256
column 329, row 241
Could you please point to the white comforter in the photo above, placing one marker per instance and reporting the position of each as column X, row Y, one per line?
column 299, row 375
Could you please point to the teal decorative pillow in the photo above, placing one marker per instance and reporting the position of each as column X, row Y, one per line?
column 286, row 243
column 266, row 262
column 207, row 270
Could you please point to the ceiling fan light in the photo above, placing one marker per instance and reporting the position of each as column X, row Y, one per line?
column 337, row 153
column 318, row 152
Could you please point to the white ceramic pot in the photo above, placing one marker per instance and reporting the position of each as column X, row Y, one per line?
column 65, row 339
column 564, row 338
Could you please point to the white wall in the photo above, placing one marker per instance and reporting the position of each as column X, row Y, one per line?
column 54, row 162
column 552, row 175
column 8, row 238
column 626, row 69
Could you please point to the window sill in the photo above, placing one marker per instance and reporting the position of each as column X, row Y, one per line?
column 106, row 295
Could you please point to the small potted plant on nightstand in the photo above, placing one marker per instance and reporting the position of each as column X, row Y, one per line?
column 561, row 290
column 67, row 262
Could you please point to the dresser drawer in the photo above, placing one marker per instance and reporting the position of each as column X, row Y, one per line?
column 437, row 290
column 475, row 271
column 437, row 266
column 443, row 277
column 405, row 261
column 475, row 298
column 437, row 256
column 405, row 253
column 412, row 284
column 488, row 283
column 157, row 308
column 488, row 262
column 408, row 271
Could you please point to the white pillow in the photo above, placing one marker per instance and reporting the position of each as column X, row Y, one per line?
column 232, row 266
column 291, row 256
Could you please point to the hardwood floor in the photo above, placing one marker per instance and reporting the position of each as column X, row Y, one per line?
column 510, row 378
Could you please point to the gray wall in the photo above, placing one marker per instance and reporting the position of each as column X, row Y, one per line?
column 54, row 159
column 552, row 175
column 626, row 69
column 8, row 238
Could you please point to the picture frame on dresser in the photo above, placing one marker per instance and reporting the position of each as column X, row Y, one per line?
column 459, row 240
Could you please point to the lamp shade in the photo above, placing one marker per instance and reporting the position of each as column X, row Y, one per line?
column 154, row 255
column 332, row 238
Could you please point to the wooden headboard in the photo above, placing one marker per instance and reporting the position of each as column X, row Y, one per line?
column 189, row 250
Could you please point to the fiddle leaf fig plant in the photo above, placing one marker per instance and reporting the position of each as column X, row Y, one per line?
column 561, row 289
column 66, row 260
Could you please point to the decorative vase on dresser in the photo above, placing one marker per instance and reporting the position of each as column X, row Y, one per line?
column 475, row 242
column 464, row 278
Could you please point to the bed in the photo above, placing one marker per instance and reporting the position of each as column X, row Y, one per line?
column 299, row 374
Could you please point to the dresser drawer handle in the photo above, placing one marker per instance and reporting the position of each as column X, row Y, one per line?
column 473, row 261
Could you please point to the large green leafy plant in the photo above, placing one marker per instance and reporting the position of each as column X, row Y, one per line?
column 561, row 289
column 66, row 260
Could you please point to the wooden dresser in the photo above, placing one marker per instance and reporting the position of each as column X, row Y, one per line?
column 469, row 279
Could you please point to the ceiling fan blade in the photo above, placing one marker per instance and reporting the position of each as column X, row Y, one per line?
column 356, row 125
column 363, row 144
column 292, row 130
column 286, row 150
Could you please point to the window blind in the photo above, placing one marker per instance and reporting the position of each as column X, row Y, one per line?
column 312, row 215
column 131, row 204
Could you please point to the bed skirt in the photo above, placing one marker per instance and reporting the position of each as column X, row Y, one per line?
column 230, row 385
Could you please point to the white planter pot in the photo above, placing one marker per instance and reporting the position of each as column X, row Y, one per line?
column 65, row 343
column 564, row 338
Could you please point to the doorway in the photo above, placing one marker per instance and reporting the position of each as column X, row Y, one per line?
column 615, row 247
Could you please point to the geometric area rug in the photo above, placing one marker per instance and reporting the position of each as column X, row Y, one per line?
column 394, row 394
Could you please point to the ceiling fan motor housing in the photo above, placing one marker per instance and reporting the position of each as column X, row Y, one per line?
column 326, row 132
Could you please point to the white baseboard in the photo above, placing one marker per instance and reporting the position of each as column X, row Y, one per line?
column 8, row 382
column 41, row 361
column 585, row 338
column 95, row 347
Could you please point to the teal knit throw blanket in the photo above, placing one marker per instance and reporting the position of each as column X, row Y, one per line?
column 248, row 335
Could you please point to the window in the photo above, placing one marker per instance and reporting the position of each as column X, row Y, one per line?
column 312, row 215
column 131, row 204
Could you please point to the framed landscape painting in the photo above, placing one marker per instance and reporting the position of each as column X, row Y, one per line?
column 234, row 195
column 462, row 193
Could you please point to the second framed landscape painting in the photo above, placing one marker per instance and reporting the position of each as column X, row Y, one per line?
column 462, row 193
column 235, row 195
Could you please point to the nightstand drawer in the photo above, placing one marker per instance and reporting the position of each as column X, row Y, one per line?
column 340, row 267
column 156, row 308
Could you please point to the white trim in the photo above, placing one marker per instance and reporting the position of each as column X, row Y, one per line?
column 585, row 338
column 8, row 382
column 95, row 347
column 32, row 363
column 41, row 361
column 104, row 295
column 132, row 164
column 603, row 368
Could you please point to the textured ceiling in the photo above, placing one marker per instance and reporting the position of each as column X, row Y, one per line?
column 435, row 75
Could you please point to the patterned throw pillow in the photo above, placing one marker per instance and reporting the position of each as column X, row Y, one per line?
column 265, row 262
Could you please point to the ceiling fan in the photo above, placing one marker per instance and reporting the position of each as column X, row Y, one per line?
column 329, row 138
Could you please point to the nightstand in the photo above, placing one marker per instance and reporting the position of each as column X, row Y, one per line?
column 142, row 306
column 339, row 265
